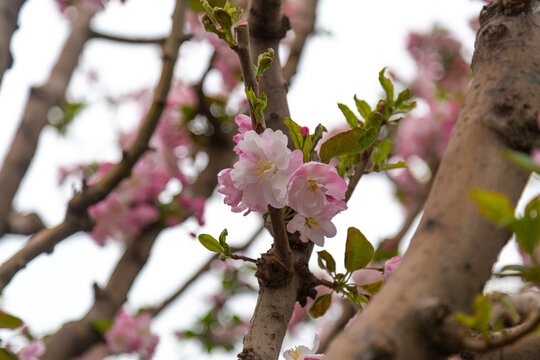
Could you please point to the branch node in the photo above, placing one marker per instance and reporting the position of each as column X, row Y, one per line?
column 271, row 273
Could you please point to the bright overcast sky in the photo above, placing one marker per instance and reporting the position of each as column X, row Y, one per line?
column 358, row 38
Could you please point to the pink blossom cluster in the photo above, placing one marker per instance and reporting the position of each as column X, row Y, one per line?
column 32, row 351
column 92, row 5
column 269, row 173
column 441, row 82
column 131, row 334
column 134, row 204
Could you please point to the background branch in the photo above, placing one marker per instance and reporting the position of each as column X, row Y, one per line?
column 9, row 15
column 127, row 40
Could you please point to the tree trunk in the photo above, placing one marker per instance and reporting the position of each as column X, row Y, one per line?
column 452, row 253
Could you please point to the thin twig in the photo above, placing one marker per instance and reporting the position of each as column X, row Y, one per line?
column 127, row 40
column 504, row 337
column 303, row 28
column 196, row 276
column 358, row 172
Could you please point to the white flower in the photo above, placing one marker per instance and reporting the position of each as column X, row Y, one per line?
column 303, row 352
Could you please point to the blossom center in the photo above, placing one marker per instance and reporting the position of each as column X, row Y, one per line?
column 264, row 168
column 312, row 222
column 313, row 185
column 296, row 353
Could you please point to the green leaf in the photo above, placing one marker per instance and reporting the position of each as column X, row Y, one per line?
column 236, row 14
column 317, row 136
column 349, row 142
column 262, row 101
column 222, row 17
column 5, row 354
column 102, row 325
column 8, row 321
column 321, row 305
column 494, row 206
column 352, row 119
column 375, row 119
column 398, row 165
column 264, row 62
column 326, row 261
column 480, row 320
column 527, row 228
column 358, row 250
column 209, row 242
column 296, row 133
column 522, row 160
column 363, row 107
column 402, row 97
column 373, row 288
column 223, row 237
column 387, row 86
column 382, row 150
column 208, row 24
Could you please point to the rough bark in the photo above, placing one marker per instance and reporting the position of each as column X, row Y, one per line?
column 9, row 15
column 500, row 113
column 41, row 99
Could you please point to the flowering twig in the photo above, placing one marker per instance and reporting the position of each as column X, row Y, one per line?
column 76, row 216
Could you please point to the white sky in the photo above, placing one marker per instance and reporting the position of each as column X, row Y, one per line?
column 365, row 37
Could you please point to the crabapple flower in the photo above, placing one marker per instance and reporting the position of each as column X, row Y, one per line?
column 313, row 186
column 390, row 266
column 264, row 169
column 303, row 352
column 314, row 227
column 132, row 334
column 233, row 196
column 244, row 125
column 32, row 351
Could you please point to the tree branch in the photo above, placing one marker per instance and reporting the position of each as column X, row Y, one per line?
column 42, row 98
column 127, row 40
column 76, row 215
column 9, row 14
column 303, row 27
column 500, row 113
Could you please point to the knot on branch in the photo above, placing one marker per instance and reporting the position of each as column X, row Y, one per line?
column 378, row 347
column 516, row 7
column 516, row 119
column 248, row 354
column 307, row 285
column 440, row 327
column 271, row 273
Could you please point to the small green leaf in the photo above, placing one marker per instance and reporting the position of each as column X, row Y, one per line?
column 8, row 321
column 208, row 24
column 360, row 299
column 481, row 318
column 375, row 119
column 348, row 142
column 527, row 228
column 523, row 160
column 317, row 136
column 382, row 150
column 358, row 250
column 5, row 354
column 223, row 237
column 321, row 305
column 363, row 107
column 352, row 119
column 373, row 288
column 387, row 86
column 402, row 97
column 222, row 17
column 494, row 206
column 398, row 165
column 209, row 242
column 102, row 325
column 264, row 62
column 296, row 133
column 262, row 102
column 326, row 261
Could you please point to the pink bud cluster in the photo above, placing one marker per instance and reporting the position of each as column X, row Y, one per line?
column 135, row 203
column 131, row 334
column 32, row 351
column 269, row 173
